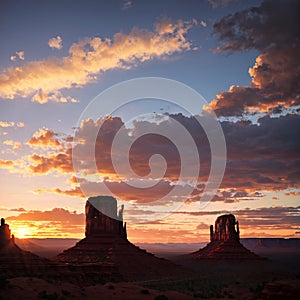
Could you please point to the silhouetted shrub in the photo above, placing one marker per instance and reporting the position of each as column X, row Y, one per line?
column 258, row 288
column 66, row 293
column 4, row 283
column 161, row 297
column 45, row 295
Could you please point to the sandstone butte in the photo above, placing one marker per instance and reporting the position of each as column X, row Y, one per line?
column 225, row 242
column 106, row 244
column 106, row 254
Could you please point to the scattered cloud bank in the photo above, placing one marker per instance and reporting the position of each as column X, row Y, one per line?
column 272, row 29
column 264, row 221
column 58, row 222
column 43, row 80
column 263, row 157
column 261, row 222
column 56, row 214
column 14, row 144
column 4, row 124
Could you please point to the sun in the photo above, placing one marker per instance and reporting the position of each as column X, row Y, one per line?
column 22, row 232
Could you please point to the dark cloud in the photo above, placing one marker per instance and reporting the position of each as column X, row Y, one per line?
column 202, row 226
column 263, row 156
column 273, row 23
column 274, row 29
column 266, row 218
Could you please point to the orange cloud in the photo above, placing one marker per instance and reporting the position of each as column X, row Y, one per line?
column 11, row 124
column 56, row 214
column 60, row 161
column 6, row 163
column 90, row 56
column 56, row 222
column 75, row 192
column 15, row 145
column 44, row 137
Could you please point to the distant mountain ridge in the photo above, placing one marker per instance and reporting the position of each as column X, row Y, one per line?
column 272, row 244
column 52, row 246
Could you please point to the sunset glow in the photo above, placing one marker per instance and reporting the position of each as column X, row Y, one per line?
column 23, row 232
column 243, row 62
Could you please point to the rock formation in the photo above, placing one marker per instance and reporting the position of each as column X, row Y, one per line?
column 5, row 234
column 225, row 242
column 226, row 228
column 101, row 217
column 107, row 247
column 15, row 261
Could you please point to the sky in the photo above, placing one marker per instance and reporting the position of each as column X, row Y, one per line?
column 65, row 64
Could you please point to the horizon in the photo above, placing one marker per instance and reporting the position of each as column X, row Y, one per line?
column 181, row 112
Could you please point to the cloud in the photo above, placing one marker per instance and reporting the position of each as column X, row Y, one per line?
column 60, row 161
column 56, row 214
column 55, row 43
column 262, row 220
column 15, row 145
column 203, row 24
column 202, row 226
column 55, row 96
column 19, row 55
column 270, row 28
column 127, row 4
column 11, row 124
column 20, row 209
column 91, row 56
column 74, row 192
column 229, row 195
column 272, row 24
column 219, row 3
column 260, row 157
column 6, row 163
column 44, row 137
column 58, row 222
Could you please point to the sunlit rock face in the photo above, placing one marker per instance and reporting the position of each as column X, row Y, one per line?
column 226, row 228
column 102, row 217
column 225, row 242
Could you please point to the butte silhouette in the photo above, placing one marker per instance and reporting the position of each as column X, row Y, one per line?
column 106, row 244
column 14, row 260
column 225, row 242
